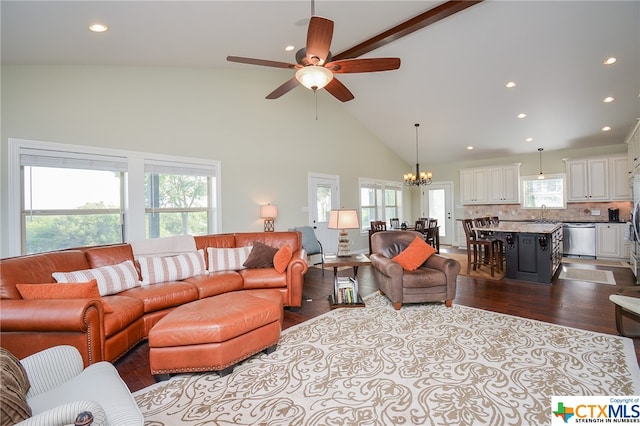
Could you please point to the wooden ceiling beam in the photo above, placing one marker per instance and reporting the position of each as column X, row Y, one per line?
column 418, row 22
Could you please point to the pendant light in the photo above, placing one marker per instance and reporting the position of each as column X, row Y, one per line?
column 418, row 179
column 541, row 175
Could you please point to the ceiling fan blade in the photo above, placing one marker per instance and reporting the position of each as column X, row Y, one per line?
column 319, row 35
column 363, row 65
column 286, row 87
column 339, row 90
column 263, row 62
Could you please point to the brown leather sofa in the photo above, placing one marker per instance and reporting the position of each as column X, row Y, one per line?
column 29, row 326
column 434, row 281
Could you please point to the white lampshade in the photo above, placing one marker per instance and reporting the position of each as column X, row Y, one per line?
column 314, row 77
column 268, row 211
column 343, row 219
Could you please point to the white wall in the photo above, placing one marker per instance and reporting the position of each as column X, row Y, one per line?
column 266, row 147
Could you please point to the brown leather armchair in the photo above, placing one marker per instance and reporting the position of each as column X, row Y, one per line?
column 434, row 281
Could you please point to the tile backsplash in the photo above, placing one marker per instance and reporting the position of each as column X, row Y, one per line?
column 573, row 212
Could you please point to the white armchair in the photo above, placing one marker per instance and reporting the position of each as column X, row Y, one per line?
column 60, row 389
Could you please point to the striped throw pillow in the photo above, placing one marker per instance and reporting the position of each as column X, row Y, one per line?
column 156, row 269
column 111, row 279
column 227, row 259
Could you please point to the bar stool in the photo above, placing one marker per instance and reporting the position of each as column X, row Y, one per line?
column 495, row 220
column 478, row 244
column 497, row 246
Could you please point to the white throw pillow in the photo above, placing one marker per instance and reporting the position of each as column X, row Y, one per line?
column 111, row 279
column 156, row 269
column 227, row 259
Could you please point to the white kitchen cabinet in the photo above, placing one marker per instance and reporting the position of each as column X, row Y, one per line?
column 588, row 180
column 504, row 185
column 473, row 186
column 610, row 241
column 619, row 179
column 633, row 147
column 490, row 185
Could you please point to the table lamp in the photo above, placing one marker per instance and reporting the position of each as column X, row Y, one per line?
column 268, row 213
column 343, row 219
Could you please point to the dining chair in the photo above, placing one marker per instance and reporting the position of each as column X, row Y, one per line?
column 394, row 222
column 375, row 226
column 430, row 231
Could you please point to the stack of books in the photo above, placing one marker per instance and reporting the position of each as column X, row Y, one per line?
column 346, row 290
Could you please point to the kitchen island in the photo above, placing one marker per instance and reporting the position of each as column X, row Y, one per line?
column 533, row 251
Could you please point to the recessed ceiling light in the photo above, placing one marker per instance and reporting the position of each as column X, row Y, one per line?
column 610, row 61
column 289, row 48
column 510, row 84
column 606, row 128
column 469, row 147
column 608, row 99
column 522, row 115
column 98, row 28
column 529, row 139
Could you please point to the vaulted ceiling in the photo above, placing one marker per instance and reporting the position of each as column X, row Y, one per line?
column 451, row 80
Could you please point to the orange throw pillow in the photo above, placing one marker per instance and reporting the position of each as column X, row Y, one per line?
column 281, row 258
column 88, row 290
column 414, row 255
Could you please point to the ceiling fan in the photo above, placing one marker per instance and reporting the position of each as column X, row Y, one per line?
column 315, row 68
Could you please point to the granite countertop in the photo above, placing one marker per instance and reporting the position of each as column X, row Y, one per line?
column 524, row 227
column 554, row 221
column 561, row 221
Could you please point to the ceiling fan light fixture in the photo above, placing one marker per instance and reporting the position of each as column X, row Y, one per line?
column 314, row 77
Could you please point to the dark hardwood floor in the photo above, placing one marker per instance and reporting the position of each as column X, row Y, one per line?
column 569, row 303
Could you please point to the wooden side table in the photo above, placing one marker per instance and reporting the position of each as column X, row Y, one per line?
column 354, row 261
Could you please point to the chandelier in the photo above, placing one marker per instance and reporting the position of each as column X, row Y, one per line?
column 419, row 178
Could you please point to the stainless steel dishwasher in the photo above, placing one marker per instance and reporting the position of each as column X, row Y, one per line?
column 579, row 239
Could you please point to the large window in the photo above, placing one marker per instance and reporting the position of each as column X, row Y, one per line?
column 379, row 200
column 548, row 192
column 70, row 202
column 178, row 199
column 63, row 196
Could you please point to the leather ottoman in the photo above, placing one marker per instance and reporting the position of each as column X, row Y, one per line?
column 215, row 333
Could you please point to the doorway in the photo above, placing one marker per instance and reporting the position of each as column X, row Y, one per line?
column 324, row 195
column 437, row 202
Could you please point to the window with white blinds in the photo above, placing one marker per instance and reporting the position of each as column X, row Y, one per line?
column 70, row 200
column 379, row 200
column 63, row 196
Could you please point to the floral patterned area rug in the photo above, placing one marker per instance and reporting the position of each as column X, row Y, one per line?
column 423, row 364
